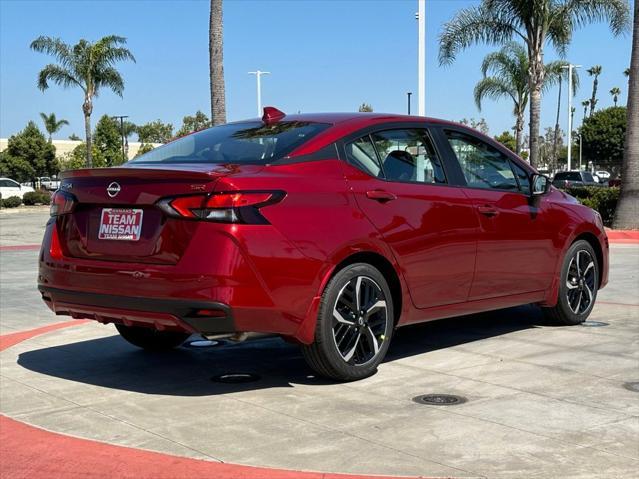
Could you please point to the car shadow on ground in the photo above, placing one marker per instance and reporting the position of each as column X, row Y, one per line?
column 111, row 362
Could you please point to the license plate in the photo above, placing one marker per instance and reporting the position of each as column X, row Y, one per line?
column 120, row 224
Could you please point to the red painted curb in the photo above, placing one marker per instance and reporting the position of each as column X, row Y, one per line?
column 29, row 452
column 622, row 236
column 20, row 247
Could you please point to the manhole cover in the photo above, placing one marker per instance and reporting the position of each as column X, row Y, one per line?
column 593, row 324
column 235, row 378
column 439, row 399
column 632, row 386
column 202, row 343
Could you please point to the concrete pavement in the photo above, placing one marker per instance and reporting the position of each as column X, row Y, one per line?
column 543, row 401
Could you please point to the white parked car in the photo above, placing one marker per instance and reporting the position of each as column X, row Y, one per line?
column 9, row 187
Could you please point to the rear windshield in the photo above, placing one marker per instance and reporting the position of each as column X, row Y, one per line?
column 242, row 143
column 572, row 176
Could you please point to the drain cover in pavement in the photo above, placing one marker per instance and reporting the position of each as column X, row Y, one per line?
column 632, row 386
column 593, row 324
column 439, row 399
column 201, row 343
column 235, row 378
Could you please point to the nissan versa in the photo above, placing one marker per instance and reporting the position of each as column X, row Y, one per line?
column 329, row 230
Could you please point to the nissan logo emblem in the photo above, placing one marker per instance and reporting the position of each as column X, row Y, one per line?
column 113, row 189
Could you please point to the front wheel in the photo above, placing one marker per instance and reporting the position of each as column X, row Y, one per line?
column 579, row 282
column 354, row 325
column 151, row 339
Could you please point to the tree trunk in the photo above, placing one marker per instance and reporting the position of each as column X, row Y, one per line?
column 627, row 213
column 536, row 82
column 87, row 109
column 216, row 64
column 593, row 100
column 519, row 127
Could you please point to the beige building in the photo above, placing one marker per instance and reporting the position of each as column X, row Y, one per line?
column 62, row 147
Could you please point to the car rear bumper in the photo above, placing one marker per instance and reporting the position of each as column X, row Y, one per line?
column 205, row 317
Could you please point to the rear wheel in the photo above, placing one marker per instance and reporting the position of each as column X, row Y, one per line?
column 151, row 339
column 578, row 286
column 354, row 325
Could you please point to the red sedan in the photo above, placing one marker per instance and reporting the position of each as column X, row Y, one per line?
column 329, row 230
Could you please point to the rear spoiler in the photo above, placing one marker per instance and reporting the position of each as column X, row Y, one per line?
column 173, row 173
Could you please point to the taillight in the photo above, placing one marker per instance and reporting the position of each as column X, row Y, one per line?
column 228, row 207
column 62, row 203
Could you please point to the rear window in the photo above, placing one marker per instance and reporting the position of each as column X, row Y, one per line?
column 241, row 143
column 571, row 176
column 588, row 177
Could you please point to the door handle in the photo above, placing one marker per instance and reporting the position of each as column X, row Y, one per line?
column 380, row 195
column 488, row 210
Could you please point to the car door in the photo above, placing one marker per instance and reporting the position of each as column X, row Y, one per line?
column 401, row 185
column 515, row 251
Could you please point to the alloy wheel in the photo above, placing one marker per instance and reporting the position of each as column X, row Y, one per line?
column 360, row 320
column 580, row 282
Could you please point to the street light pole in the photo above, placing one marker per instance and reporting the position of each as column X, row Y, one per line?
column 408, row 94
column 421, row 58
column 121, row 118
column 570, row 66
column 258, row 74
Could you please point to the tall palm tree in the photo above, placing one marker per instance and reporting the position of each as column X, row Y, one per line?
column 615, row 92
column 594, row 72
column 52, row 124
column 585, row 104
column 89, row 66
column 536, row 22
column 216, row 64
column 505, row 74
column 627, row 213
column 627, row 72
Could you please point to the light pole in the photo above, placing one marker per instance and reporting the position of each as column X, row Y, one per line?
column 121, row 118
column 408, row 94
column 258, row 74
column 421, row 58
column 570, row 66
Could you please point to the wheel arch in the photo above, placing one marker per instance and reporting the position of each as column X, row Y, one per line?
column 592, row 240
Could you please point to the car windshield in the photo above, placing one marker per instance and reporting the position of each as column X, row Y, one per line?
column 588, row 177
column 242, row 143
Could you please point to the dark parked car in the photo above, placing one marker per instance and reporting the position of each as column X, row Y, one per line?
column 569, row 179
column 329, row 230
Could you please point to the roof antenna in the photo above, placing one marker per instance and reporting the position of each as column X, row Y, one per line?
column 272, row 115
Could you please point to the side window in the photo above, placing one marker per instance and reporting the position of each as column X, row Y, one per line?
column 483, row 166
column 361, row 153
column 8, row 184
column 408, row 155
column 522, row 176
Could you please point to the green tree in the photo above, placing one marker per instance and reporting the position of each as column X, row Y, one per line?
column 479, row 125
column 365, row 107
column 536, row 22
column 508, row 140
column 76, row 158
column 144, row 148
column 594, row 72
column 89, row 66
column 74, row 137
column 627, row 72
column 627, row 212
column 603, row 135
column 615, row 92
column 28, row 155
column 585, row 104
column 108, row 140
column 216, row 64
column 197, row 122
column 52, row 124
column 155, row 132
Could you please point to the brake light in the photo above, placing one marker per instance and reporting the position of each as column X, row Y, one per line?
column 231, row 207
column 62, row 203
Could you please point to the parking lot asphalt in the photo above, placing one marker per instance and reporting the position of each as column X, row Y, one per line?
column 542, row 400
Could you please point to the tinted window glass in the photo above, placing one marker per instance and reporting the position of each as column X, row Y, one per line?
column 588, row 177
column 361, row 153
column 483, row 165
column 8, row 184
column 568, row 175
column 408, row 155
column 250, row 143
column 522, row 176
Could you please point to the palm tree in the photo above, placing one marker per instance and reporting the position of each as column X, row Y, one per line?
column 627, row 72
column 585, row 104
column 536, row 22
column 627, row 212
column 52, row 124
column 87, row 65
column 615, row 92
column 594, row 72
column 505, row 74
column 216, row 64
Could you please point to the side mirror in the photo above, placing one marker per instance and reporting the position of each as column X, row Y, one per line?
column 540, row 185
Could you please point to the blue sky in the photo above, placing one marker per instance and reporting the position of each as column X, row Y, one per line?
column 324, row 55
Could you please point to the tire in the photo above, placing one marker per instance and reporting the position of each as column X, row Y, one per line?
column 363, row 340
column 151, row 339
column 578, row 285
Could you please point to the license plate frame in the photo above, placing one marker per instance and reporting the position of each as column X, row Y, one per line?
column 120, row 224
